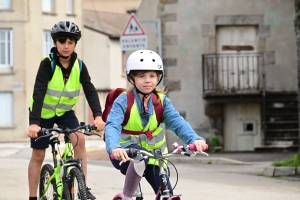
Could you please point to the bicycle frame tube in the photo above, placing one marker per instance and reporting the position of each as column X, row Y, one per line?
column 58, row 181
column 58, row 174
column 68, row 149
column 164, row 190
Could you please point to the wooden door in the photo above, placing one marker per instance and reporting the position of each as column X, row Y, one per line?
column 237, row 65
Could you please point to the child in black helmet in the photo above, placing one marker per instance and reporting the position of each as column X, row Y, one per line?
column 51, row 102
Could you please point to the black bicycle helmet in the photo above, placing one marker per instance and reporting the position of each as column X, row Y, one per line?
column 66, row 28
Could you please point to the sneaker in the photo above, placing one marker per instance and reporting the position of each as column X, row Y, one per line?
column 89, row 194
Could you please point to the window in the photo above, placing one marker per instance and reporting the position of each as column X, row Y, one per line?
column 70, row 7
column 5, row 48
column 5, row 4
column 48, row 6
column 47, row 43
column 6, row 109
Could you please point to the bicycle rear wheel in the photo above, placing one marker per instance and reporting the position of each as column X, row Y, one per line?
column 77, row 187
column 51, row 192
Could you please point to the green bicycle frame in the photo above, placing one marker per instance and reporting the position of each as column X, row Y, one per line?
column 58, row 167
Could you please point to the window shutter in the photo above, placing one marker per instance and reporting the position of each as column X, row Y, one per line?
column 47, row 6
column 5, row 4
column 47, row 43
column 70, row 7
column 6, row 109
column 5, row 48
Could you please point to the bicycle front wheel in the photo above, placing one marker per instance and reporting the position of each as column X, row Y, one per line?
column 49, row 193
column 77, row 187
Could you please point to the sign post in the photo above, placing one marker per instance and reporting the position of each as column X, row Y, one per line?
column 133, row 36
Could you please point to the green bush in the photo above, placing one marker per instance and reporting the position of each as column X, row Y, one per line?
column 212, row 144
column 290, row 162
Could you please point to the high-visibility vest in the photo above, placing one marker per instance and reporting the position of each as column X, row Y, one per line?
column 157, row 140
column 61, row 97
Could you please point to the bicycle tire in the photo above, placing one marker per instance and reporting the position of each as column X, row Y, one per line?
column 51, row 193
column 76, row 185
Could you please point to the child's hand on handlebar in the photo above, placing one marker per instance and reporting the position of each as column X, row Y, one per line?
column 99, row 123
column 33, row 130
column 120, row 154
column 200, row 145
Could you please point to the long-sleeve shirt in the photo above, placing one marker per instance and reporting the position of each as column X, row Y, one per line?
column 171, row 118
column 45, row 74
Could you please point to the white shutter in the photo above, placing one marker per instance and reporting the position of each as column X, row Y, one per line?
column 47, row 43
column 5, row 48
column 5, row 4
column 47, row 6
column 70, row 7
column 6, row 109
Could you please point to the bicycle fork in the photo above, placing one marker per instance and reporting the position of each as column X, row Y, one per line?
column 164, row 192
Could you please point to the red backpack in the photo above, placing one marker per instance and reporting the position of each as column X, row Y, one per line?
column 112, row 95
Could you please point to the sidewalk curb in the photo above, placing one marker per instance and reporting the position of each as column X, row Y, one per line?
column 281, row 171
column 216, row 160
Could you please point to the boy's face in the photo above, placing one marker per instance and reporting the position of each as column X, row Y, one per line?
column 65, row 46
column 146, row 81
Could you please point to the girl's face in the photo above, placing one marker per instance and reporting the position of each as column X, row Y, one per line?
column 65, row 46
column 146, row 81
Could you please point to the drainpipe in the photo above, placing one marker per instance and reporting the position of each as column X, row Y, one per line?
column 264, row 110
column 264, row 100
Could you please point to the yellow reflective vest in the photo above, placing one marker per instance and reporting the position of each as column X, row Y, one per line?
column 135, row 124
column 61, row 97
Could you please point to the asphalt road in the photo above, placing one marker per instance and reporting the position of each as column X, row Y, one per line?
column 241, row 180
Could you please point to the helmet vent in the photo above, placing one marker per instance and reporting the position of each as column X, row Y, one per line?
column 142, row 60
column 153, row 60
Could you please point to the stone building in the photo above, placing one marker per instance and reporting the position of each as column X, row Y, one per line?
column 231, row 69
column 24, row 40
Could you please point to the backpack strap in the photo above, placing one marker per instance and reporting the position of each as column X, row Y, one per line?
column 158, row 111
column 53, row 63
column 80, row 64
column 130, row 101
column 158, row 108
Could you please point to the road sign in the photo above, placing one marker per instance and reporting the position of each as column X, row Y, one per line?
column 133, row 36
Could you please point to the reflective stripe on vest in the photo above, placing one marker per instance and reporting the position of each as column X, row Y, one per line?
column 60, row 97
column 135, row 124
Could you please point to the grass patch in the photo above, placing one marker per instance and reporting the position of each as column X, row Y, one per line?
column 289, row 162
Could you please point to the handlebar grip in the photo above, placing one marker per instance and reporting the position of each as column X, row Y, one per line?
column 131, row 152
column 192, row 147
column 92, row 127
column 112, row 156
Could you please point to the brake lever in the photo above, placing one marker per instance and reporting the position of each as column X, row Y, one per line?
column 91, row 133
column 188, row 153
column 42, row 136
column 137, row 159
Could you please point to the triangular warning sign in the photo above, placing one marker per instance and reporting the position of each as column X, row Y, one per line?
column 133, row 27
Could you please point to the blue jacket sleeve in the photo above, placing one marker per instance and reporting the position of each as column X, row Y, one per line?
column 113, row 126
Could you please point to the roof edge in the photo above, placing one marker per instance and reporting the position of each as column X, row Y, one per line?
column 108, row 33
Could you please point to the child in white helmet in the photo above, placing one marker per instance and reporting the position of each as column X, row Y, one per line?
column 144, row 70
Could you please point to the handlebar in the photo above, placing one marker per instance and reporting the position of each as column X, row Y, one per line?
column 137, row 155
column 48, row 132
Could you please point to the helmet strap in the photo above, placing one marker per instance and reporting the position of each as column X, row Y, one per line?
column 61, row 56
column 145, row 95
column 160, row 79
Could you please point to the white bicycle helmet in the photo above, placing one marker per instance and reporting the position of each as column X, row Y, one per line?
column 144, row 60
